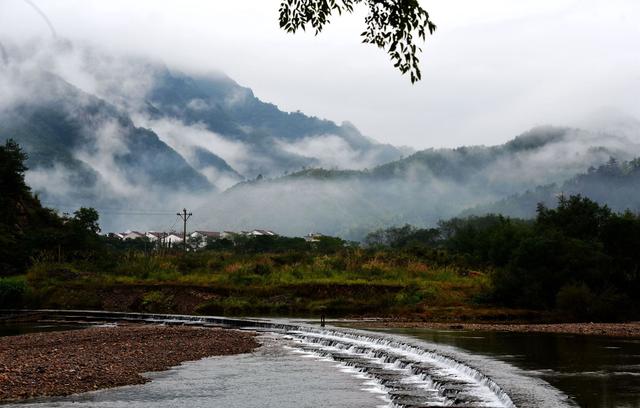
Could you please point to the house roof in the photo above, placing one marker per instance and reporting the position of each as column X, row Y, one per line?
column 207, row 233
column 132, row 234
column 264, row 232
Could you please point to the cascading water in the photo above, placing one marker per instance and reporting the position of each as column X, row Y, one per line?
column 405, row 372
column 410, row 376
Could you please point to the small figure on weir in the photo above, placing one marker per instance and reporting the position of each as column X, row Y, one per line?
column 322, row 316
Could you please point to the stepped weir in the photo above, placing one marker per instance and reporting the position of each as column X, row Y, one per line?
column 406, row 374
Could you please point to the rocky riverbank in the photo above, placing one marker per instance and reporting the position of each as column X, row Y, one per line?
column 631, row 329
column 63, row 363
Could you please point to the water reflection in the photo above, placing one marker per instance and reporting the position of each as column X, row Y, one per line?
column 594, row 371
column 272, row 377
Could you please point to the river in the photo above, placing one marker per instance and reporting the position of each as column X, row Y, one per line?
column 594, row 371
column 336, row 367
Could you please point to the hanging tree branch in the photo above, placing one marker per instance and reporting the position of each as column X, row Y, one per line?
column 392, row 25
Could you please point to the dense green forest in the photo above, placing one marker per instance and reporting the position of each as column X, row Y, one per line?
column 576, row 261
column 580, row 259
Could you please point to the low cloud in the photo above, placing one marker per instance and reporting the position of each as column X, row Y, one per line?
column 416, row 193
column 331, row 152
column 186, row 138
column 420, row 192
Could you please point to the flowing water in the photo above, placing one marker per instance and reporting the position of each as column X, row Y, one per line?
column 595, row 371
column 308, row 366
column 272, row 377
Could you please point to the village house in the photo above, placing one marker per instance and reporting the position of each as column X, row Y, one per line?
column 205, row 235
column 202, row 237
column 259, row 233
column 155, row 236
column 199, row 238
column 132, row 235
column 173, row 238
column 313, row 237
column 228, row 235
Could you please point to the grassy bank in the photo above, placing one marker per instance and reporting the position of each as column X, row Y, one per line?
column 348, row 282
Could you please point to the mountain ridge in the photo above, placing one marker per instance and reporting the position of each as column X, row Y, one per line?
column 144, row 136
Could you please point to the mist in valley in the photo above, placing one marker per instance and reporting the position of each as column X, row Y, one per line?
column 139, row 139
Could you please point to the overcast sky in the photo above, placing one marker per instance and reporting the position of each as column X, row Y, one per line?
column 493, row 69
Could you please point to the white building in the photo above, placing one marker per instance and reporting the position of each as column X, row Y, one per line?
column 313, row 237
column 259, row 233
column 201, row 237
column 173, row 239
column 228, row 235
column 205, row 235
column 155, row 236
column 132, row 235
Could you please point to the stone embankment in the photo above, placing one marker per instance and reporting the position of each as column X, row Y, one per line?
column 63, row 363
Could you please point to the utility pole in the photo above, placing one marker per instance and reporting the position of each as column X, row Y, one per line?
column 185, row 216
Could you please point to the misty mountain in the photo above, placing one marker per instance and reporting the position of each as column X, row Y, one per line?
column 421, row 189
column 130, row 134
column 616, row 184
column 275, row 141
column 124, row 132
column 93, row 146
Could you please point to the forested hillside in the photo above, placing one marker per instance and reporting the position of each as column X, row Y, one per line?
column 616, row 184
column 422, row 188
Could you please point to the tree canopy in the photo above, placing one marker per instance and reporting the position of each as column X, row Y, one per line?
column 393, row 25
column 580, row 258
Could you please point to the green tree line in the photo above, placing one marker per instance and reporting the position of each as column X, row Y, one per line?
column 580, row 258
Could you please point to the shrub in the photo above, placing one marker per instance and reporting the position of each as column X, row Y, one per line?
column 42, row 272
column 575, row 300
column 263, row 267
column 12, row 292
column 157, row 302
column 189, row 262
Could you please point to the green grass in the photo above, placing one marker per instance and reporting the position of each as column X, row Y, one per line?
column 348, row 282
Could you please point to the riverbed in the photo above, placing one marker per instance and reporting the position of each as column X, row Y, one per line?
column 307, row 366
column 272, row 377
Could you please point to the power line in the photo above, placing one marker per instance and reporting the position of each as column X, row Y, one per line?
column 110, row 210
column 185, row 217
column 174, row 224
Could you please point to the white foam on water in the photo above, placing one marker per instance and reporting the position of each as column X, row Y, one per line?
column 371, row 384
column 482, row 387
column 449, row 362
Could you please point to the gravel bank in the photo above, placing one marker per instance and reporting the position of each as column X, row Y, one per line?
column 602, row 329
column 63, row 363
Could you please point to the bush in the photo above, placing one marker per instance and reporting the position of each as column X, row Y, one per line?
column 157, row 302
column 189, row 262
column 576, row 301
column 611, row 305
column 12, row 292
column 42, row 273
